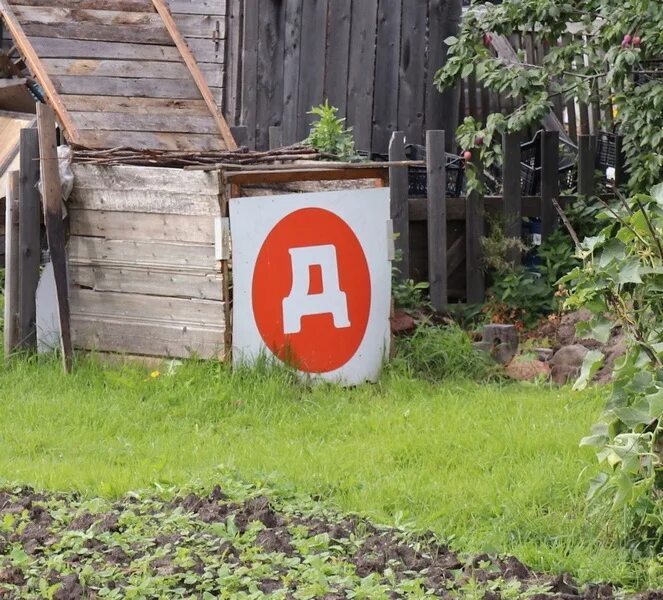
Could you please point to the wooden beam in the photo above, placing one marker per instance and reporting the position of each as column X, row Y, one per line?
column 35, row 65
column 29, row 233
column 474, row 231
column 51, row 190
column 549, row 181
column 398, row 185
column 195, row 71
column 511, row 190
column 437, row 218
column 11, row 265
column 294, row 175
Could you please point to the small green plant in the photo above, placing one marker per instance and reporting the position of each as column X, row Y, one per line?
column 407, row 293
column 329, row 134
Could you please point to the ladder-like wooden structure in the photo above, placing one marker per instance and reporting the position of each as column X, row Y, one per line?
column 117, row 73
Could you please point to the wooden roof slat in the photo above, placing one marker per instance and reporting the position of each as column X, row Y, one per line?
column 124, row 5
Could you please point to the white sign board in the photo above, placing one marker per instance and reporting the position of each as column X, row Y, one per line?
column 312, row 282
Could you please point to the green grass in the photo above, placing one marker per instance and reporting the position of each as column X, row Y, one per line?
column 493, row 467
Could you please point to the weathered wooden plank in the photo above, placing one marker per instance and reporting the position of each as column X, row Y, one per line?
column 398, row 187
column 194, row 142
column 185, row 255
column 59, row 15
column 442, row 108
column 130, row 68
column 456, row 208
column 117, row 225
column 148, row 281
column 29, row 234
column 338, row 54
column 197, row 7
column 291, row 62
column 437, row 218
column 385, row 106
column 110, row 121
column 143, row 179
column 56, row 48
column 474, row 231
column 232, row 69
column 549, row 181
column 151, row 309
column 51, row 191
column 511, row 190
column 412, row 75
column 145, row 338
column 269, row 109
column 360, row 74
column 119, row 86
column 312, row 65
column 148, row 201
column 11, row 291
column 81, row 103
column 131, row 34
column 248, row 116
column 123, row 5
column 206, row 50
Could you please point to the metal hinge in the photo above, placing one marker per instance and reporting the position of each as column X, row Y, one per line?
column 216, row 36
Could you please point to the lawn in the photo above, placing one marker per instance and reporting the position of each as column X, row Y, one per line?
column 493, row 468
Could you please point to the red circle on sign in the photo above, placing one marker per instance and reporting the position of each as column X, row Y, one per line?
column 320, row 345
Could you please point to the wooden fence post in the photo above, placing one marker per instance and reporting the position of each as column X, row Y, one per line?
column 11, row 264
column 586, row 163
column 29, row 233
column 398, row 191
column 549, row 181
column 51, row 190
column 512, row 197
column 474, row 231
column 437, row 218
column 275, row 138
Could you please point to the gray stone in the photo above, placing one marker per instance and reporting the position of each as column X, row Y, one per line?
column 567, row 362
column 500, row 341
column 544, row 354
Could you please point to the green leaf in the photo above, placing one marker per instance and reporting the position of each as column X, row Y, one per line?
column 634, row 415
column 598, row 329
column 655, row 405
column 657, row 194
column 629, row 272
column 592, row 363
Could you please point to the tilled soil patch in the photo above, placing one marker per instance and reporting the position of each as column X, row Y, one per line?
column 240, row 542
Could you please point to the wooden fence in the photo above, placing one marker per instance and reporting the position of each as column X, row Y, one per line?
column 440, row 237
column 373, row 59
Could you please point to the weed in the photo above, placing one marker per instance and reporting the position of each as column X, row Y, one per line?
column 329, row 134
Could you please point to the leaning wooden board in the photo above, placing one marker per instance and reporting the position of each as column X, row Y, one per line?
column 144, row 278
column 98, row 59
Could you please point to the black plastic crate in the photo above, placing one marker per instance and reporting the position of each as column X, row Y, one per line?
column 649, row 70
column 606, row 150
column 418, row 176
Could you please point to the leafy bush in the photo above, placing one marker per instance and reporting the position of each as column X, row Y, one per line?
column 437, row 353
column 329, row 134
column 521, row 295
column 622, row 277
column 615, row 39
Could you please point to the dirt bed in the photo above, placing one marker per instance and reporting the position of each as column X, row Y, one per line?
column 239, row 542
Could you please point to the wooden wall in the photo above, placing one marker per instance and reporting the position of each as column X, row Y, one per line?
column 373, row 59
column 143, row 274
